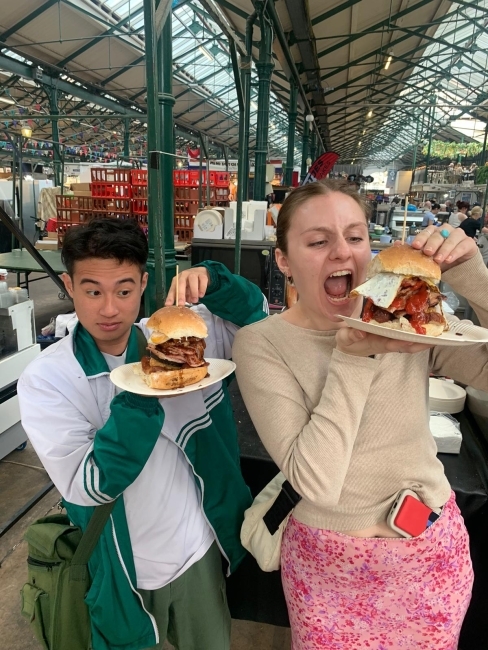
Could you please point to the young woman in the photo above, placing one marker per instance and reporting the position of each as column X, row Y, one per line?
column 458, row 217
column 345, row 416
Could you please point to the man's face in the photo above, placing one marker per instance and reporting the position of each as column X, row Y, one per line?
column 107, row 297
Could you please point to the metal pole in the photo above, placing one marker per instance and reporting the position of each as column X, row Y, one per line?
column 483, row 154
column 241, row 170
column 126, row 138
column 200, row 180
column 166, row 103
column 431, row 130
column 313, row 146
column 246, row 64
column 265, row 68
column 14, row 189
column 53, row 105
column 20, row 141
column 306, row 139
column 416, row 146
column 292, row 125
column 155, row 292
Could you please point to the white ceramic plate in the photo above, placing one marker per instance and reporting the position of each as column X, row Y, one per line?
column 460, row 333
column 124, row 377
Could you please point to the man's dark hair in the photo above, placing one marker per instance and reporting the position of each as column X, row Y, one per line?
column 105, row 239
column 435, row 206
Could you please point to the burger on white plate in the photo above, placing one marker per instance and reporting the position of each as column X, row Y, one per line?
column 402, row 293
column 176, row 347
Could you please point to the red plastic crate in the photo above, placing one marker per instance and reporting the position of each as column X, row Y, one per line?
column 139, row 191
column 112, row 205
column 110, row 175
column 139, row 176
column 222, row 179
column 73, row 202
column 184, row 221
column 109, row 190
column 184, row 234
column 139, row 206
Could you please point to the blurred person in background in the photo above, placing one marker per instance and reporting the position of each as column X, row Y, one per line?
column 458, row 217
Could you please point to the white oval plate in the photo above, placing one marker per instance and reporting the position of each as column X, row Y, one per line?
column 459, row 333
column 126, row 378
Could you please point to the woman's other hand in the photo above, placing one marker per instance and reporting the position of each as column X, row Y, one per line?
column 450, row 252
column 363, row 344
column 192, row 285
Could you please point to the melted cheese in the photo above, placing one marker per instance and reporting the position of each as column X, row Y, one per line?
column 382, row 289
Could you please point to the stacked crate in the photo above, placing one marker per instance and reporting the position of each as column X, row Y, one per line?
column 72, row 211
column 120, row 193
column 186, row 190
column 139, row 197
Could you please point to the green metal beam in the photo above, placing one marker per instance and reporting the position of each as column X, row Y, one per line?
column 28, row 72
column 292, row 118
column 166, row 103
column 27, row 19
column 383, row 23
column 334, row 11
column 156, row 289
column 233, row 8
column 108, row 32
column 122, row 70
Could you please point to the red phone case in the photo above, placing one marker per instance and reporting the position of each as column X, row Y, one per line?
column 412, row 516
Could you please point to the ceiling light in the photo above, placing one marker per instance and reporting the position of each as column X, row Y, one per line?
column 26, row 131
column 359, row 143
column 5, row 100
column 370, row 114
column 388, row 62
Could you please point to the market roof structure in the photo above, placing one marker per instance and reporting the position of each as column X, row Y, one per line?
column 377, row 76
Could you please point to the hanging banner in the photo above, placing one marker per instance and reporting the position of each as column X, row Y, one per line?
column 321, row 167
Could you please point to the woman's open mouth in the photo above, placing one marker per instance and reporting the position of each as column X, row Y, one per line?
column 338, row 285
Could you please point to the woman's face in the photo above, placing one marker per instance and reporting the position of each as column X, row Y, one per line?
column 328, row 251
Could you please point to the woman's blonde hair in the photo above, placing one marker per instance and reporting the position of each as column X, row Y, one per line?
column 476, row 212
column 301, row 195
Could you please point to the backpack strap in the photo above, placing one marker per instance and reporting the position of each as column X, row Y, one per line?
column 79, row 568
column 141, row 342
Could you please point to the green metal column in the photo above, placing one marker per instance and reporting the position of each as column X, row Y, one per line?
column 431, row 131
column 292, row 125
column 265, row 68
column 155, row 292
column 483, row 154
column 242, row 147
column 126, row 138
column 246, row 65
column 305, row 143
column 416, row 146
column 166, row 103
column 57, row 159
column 313, row 146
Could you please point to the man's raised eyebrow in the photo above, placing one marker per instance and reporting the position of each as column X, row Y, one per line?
column 90, row 281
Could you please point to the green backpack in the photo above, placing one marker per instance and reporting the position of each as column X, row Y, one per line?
column 53, row 598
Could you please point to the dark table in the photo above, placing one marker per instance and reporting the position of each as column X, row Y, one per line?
column 258, row 596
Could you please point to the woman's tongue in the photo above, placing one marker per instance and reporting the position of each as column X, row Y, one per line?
column 337, row 286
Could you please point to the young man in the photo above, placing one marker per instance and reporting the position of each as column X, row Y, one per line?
column 172, row 464
column 430, row 216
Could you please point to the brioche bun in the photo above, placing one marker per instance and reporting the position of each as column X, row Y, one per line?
column 176, row 323
column 431, row 329
column 170, row 379
column 404, row 260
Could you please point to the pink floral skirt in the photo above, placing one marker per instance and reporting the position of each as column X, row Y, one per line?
column 350, row 593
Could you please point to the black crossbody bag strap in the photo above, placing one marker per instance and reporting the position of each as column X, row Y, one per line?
column 286, row 500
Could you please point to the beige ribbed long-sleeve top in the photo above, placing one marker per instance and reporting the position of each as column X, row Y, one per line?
column 350, row 432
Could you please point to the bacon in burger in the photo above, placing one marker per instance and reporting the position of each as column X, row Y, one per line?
column 176, row 347
column 402, row 292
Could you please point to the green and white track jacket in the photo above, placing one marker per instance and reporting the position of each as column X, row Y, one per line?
column 94, row 446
